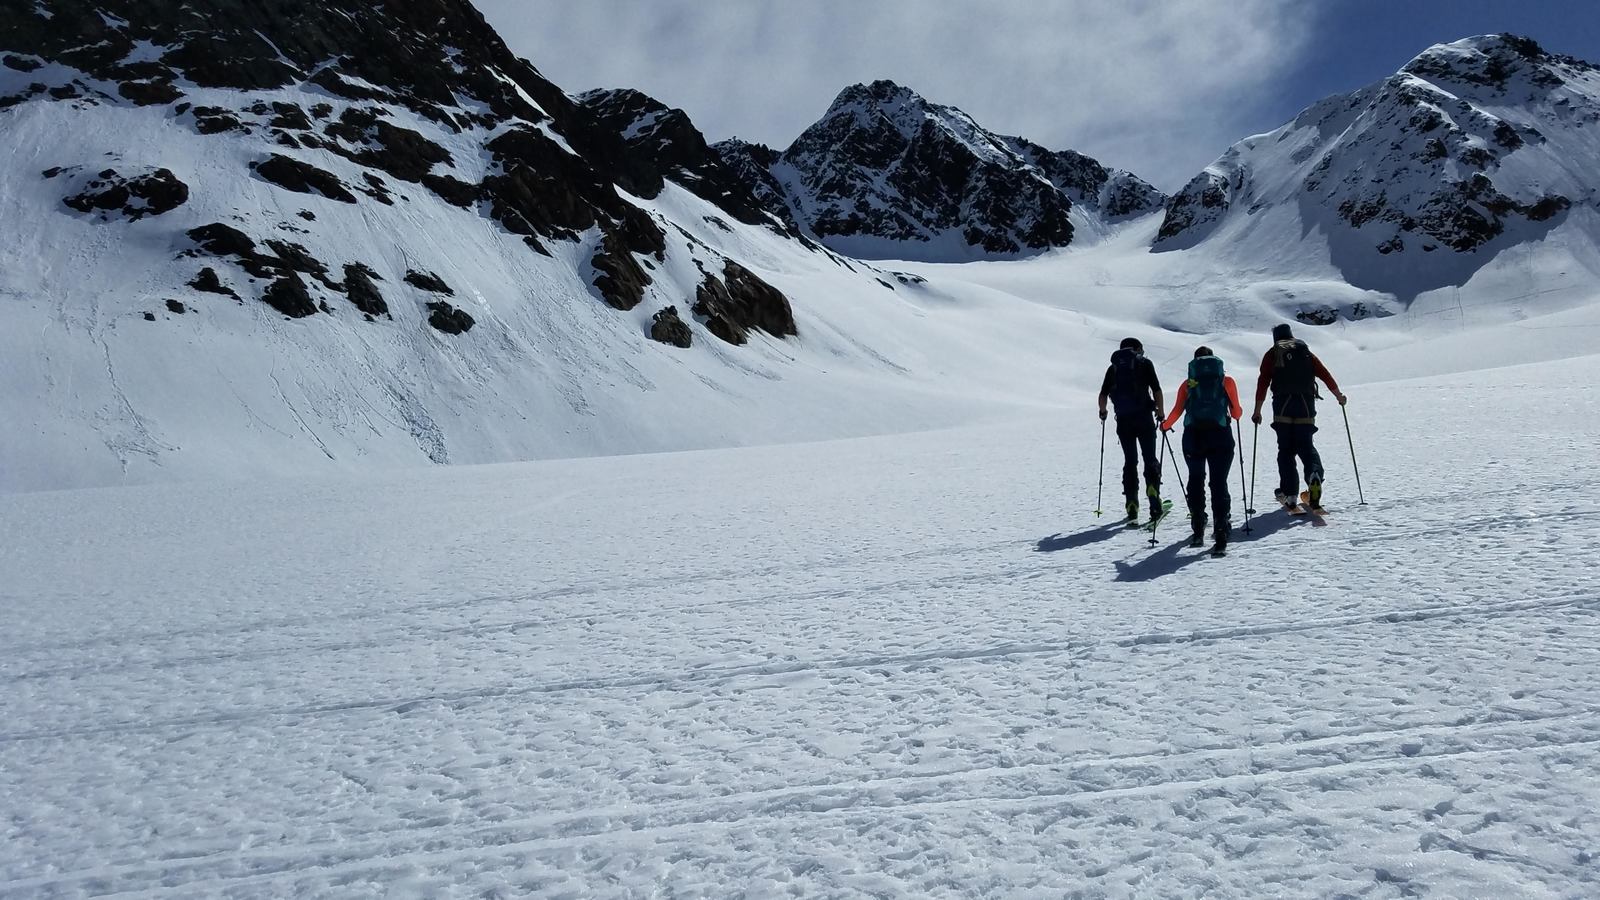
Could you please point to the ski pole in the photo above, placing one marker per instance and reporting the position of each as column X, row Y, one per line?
column 1255, row 451
column 1181, row 486
column 1174, row 457
column 1238, row 429
column 1353, row 464
column 1099, row 493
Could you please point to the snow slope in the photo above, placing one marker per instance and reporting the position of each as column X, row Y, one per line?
column 908, row 665
column 98, row 395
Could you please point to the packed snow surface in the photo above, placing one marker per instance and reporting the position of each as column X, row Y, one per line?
column 907, row 665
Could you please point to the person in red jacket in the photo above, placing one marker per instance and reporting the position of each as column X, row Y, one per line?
column 1207, row 400
column 1290, row 370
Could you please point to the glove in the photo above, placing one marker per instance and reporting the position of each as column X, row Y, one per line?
column 1256, row 417
column 1102, row 415
column 1165, row 428
column 1342, row 398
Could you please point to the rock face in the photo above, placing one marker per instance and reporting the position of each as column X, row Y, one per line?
column 133, row 197
column 1469, row 141
column 667, row 328
column 303, row 178
column 738, row 302
column 448, row 319
column 885, row 172
column 662, row 143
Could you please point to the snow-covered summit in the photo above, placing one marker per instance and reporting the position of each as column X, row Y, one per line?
column 1416, row 180
column 886, row 172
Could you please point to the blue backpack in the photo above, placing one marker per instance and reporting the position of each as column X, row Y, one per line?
column 1208, row 396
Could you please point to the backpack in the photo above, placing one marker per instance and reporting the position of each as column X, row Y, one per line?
column 1292, row 371
column 1208, row 395
column 1128, row 393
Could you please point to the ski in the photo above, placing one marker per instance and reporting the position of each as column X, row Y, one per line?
column 1166, row 509
column 1305, row 503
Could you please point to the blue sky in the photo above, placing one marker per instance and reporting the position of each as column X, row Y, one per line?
column 1160, row 87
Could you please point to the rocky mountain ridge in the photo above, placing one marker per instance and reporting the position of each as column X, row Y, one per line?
column 887, row 173
column 1473, row 146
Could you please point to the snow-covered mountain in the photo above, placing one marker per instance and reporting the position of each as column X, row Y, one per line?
column 887, row 174
column 247, row 237
column 1417, row 181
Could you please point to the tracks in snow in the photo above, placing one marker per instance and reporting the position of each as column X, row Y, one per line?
column 657, row 681
column 1001, row 791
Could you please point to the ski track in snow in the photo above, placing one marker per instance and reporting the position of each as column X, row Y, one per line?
column 898, row 666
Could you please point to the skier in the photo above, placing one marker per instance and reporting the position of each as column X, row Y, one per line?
column 1135, row 391
column 1290, row 369
column 1206, row 401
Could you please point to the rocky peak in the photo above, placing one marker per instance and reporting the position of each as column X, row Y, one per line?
column 1472, row 142
column 886, row 172
column 1499, row 62
column 663, row 143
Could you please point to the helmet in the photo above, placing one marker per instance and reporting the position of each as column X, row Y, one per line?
column 1282, row 332
column 1131, row 343
column 1203, row 351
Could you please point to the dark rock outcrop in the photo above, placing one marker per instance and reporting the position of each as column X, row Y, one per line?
column 738, row 302
column 303, row 178
column 363, row 291
column 148, row 194
column 448, row 319
column 662, row 143
column 286, row 257
column 209, row 282
column 288, row 295
column 620, row 279
column 667, row 328
column 429, row 282
column 176, row 306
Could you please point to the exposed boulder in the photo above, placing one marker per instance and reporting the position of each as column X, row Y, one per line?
column 303, row 178
column 621, row 280
column 215, row 120
column 209, row 282
column 176, row 306
column 667, row 328
column 286, row 257
column 429, row 282
column 448, row 319
column 363, row 290
column 289, row 296
column 218, row 239
column 148, row 194
column 739, row 301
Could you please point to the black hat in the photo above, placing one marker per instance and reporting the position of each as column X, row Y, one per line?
column 1131, row 343
column 1203, row 351
column 1282, row 332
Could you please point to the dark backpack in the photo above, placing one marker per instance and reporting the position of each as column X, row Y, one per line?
column 1128, row 393
column 1208, row 395
column 1293, row 373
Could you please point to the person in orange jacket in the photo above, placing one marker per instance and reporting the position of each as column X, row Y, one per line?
column 1206, row 401
column 1290, row 370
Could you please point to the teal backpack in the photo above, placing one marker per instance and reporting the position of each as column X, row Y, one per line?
column 1208, row 398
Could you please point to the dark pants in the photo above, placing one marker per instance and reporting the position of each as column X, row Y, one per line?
column 1294, row 442
column 1209, row 446
column 1138, row 435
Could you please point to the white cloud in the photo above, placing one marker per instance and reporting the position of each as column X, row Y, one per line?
column 1156, row 86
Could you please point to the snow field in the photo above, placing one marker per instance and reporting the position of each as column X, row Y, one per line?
column 911, row 665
